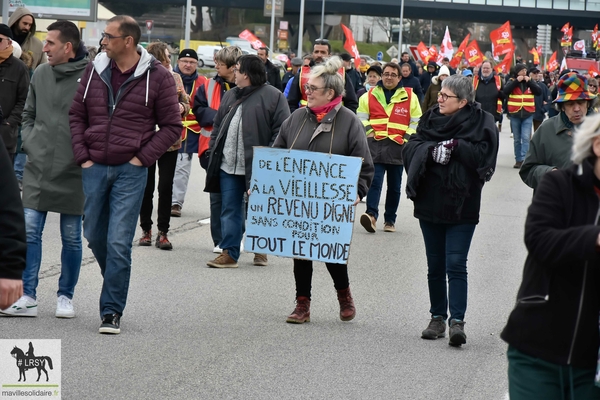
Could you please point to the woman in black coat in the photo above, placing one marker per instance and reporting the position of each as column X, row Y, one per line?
column 447, row 161
column 553, row 330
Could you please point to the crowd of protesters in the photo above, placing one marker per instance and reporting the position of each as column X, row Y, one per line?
column 438, row 124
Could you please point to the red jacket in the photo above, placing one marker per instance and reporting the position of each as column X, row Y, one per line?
column 112, row 132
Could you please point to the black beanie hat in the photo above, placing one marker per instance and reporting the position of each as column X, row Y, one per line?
column 188, row 53
column 519, row 67
column 5, row 30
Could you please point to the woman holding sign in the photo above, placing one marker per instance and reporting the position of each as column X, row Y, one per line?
column 447, row 161
column 326, row 126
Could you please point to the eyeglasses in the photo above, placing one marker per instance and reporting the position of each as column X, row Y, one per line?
column 388, row 75
column 192, row 62
column 321, row 41
column 108, row 37
column 311, row 89
column 445, row 97
column 594, row 86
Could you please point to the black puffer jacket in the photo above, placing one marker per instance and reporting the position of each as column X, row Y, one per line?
column 558, row 303
column 14, row 85
column 487, row 94
column 273, row 75
column 13, row 245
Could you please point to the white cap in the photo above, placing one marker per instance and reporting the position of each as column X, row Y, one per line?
column 444, row 71
column 16, row 49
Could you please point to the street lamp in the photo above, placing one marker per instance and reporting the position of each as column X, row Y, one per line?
column 322, row 19
column 272, row 33
column 301, row 29
column 400, row 28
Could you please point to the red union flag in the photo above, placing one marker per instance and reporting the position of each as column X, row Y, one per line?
column 565, row 28
column 433, row 53
column 254, row 41
column 567, row 38
column 593, row 71
column 350, row 45
column 536, row 56
column 473, row 54
column 504, row 66
column 501, row 39
column 552, row 63
column 423, row 51
column 460, row 52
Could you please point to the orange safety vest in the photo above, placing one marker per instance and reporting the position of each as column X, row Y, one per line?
column 391, row 126
column 189, row 121
column 213, row 97
column 498, row 86
column 305, row 75
column 518, row 100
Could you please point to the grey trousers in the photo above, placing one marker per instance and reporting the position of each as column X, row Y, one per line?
column 181, row 178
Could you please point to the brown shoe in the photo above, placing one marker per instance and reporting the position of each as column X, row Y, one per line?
column 347, row 310
column 260, row 260
column 162, row 242
column 175, row 210
column 368, row 222
column 223, row 261
column 146, row 239
column 301, row 313
column 518, row 165
column 389, row 227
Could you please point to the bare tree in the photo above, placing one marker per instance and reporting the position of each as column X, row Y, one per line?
column 385, row 24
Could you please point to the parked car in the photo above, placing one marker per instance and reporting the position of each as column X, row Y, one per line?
column 370, row 60
column 206, row 56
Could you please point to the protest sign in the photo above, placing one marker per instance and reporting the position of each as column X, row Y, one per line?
column 301, row 204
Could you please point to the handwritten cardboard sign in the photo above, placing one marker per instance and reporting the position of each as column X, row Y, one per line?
column 300, row 204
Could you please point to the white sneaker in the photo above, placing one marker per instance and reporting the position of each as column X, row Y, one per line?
column 64, row 307
column 24, row 307
column 217, row 250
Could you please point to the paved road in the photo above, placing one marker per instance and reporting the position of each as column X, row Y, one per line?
column 191, row 332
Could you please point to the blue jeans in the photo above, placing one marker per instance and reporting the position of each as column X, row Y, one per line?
column 232, row 213
column 521, row 129
column 70, row 256
column 392, row 198
column 113, row 197
column 19, row 165
column 447, row 247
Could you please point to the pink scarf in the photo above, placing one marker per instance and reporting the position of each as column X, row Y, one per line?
column 322, row 111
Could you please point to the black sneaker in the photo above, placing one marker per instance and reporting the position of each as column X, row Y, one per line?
column 457, row 333
column 111, row 324
column 436, row 328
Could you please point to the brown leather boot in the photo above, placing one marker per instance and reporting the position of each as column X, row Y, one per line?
column 347, row 310
column 301, row 313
